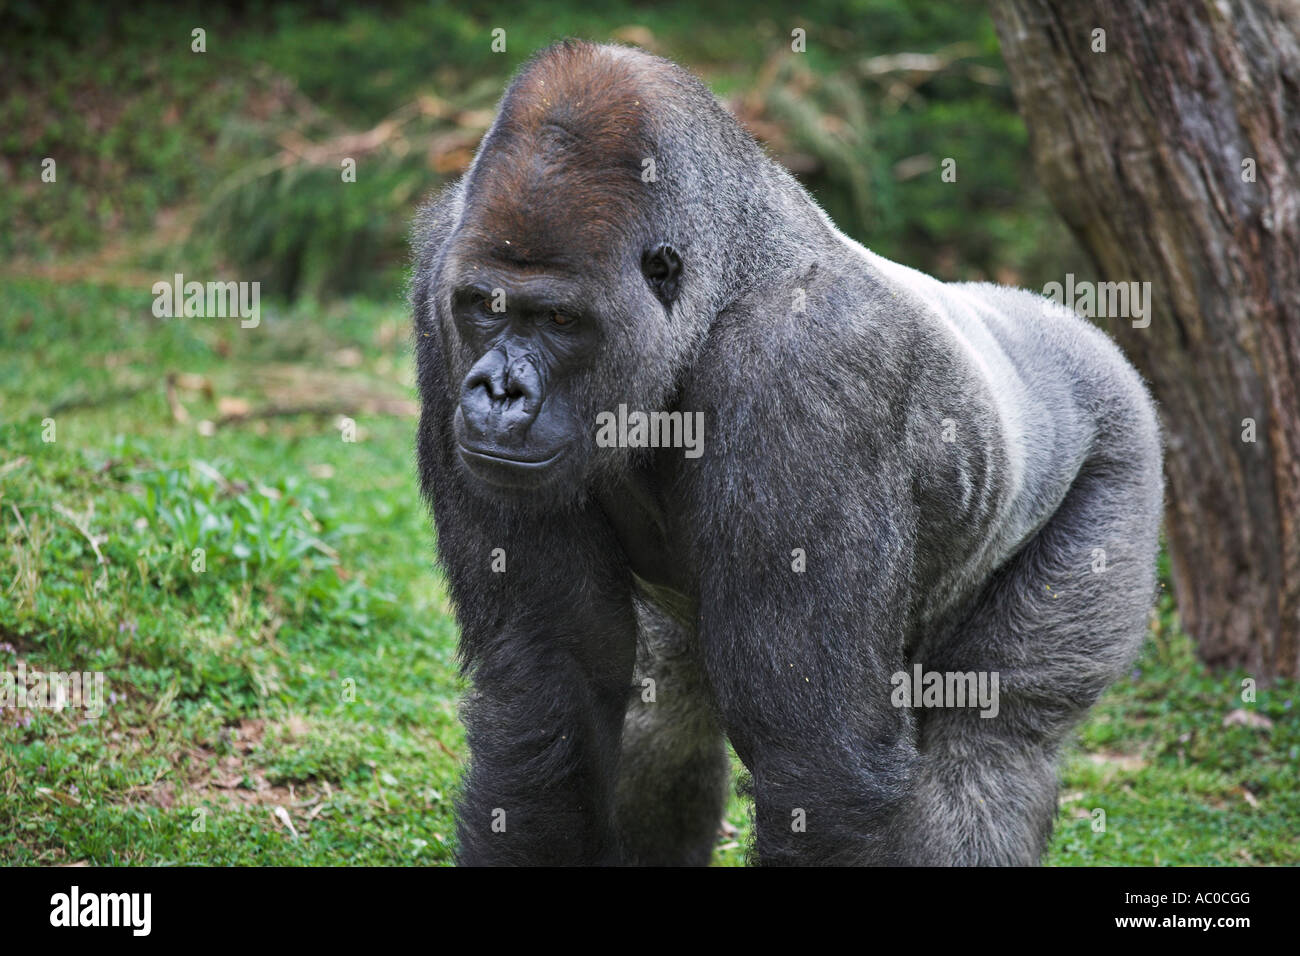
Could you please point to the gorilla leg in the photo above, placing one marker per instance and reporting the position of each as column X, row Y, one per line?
column 1061, row 621
column 673, row 769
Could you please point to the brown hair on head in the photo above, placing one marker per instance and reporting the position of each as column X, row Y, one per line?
column 559, row 177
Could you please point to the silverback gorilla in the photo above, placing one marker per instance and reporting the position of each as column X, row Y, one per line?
column 899, row 478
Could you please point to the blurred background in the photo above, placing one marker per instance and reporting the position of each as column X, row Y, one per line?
column 225, row 521
column 232, row 157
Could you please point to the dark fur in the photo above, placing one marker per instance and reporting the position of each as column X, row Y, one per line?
column 823, row 428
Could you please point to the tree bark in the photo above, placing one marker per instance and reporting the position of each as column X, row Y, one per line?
column 1141, row 148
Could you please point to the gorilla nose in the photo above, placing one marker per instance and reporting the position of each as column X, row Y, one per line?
column 500, row 398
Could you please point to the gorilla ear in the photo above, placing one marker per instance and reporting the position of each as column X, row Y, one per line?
column 662, row 268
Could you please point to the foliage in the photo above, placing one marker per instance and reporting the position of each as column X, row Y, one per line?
column 232, row 157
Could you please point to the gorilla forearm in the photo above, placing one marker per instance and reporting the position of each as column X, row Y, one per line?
column 551, row 663
column 832, row 766
column 539, row 788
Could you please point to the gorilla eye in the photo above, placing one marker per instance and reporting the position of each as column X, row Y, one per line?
column 560, row 319
column 477, row 301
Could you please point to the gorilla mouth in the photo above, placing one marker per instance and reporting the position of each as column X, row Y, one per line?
column 472, row 455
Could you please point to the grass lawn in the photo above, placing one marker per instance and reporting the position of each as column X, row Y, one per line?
column 294, row 702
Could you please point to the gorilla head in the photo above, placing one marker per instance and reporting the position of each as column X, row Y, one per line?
column 555, row 272
column 575, row 279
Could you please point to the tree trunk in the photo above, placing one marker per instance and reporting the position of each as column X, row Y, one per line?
column 1142, row 148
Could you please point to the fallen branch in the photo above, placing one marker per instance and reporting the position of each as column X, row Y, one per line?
column 283, row 411
column 96, row 401
column 397, row 407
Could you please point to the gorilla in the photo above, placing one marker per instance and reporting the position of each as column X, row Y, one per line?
column 897, row 482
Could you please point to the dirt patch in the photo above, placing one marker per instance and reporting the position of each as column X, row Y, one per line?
column 298, row 384
column 232, row 780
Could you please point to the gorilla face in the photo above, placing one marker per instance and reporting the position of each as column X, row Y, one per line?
column 517, row 419
column 547, row 350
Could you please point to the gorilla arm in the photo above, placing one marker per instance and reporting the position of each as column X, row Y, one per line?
column 548, row 637
column 800, row 659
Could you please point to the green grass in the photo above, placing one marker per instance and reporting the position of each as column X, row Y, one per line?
column 310, row 665
column 231, row 683
column 1179, row 780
